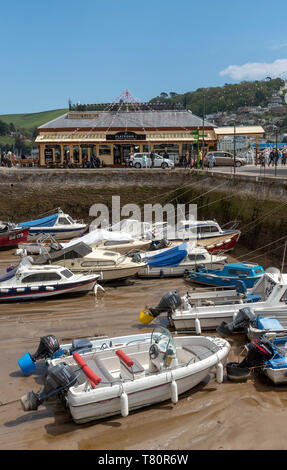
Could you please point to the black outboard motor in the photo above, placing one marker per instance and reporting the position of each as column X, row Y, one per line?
column 49, row 347
column 244, row 318
column 58, row 380
column 258, row 352
column 168, row 303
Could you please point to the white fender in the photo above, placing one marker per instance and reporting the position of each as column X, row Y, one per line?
column 124, row 404
column 174, row 392
column 197, row 326
column 219, row 373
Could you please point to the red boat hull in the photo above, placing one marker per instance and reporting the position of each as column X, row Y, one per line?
column 13, row 237
column 224, row 245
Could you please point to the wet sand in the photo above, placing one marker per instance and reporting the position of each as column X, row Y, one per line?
column 250, row 415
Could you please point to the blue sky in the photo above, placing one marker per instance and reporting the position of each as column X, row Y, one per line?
column 91, row 51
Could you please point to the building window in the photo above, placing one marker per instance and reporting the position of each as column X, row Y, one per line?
column 105, row 150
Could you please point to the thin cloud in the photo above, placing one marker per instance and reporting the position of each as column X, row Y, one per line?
column 276, row 47
column 256, row 70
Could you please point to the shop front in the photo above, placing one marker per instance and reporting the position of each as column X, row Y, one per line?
column 80, row 139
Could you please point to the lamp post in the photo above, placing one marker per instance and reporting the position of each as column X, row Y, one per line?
column 234, row 145
column 202, row 163
column 276, row 134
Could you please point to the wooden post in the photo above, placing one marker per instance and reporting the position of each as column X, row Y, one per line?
column 256, row 151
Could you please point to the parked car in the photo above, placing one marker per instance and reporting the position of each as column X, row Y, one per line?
column 225, row 159
column 138, row 161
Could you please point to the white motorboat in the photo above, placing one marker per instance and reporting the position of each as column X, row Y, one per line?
column 80, row 258
column 206, row 233
column 206, row 309
column 177, row 260
column 60, row 226
column 30, row 282
column 116, row 241
column 113, row 382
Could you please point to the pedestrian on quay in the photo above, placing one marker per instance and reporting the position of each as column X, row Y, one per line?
column 284, row 157
column 92, row 162
column 98, row 162
column 271, row 158
column 200, row 158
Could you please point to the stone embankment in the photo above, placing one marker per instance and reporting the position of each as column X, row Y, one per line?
column 257, row 205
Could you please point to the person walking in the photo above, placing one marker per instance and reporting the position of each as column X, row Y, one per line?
column 200, row 158
column 271, row 158
column 98, row 162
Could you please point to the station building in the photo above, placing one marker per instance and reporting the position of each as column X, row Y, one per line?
column 113, row 135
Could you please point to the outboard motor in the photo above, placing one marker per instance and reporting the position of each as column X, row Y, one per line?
column 243, row 319
column 58, row 381
column 168, row 303
column 258, row 352
column 159, row 245
column 49, row 347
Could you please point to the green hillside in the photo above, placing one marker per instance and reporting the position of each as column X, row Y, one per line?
column 31, row 120
column 26, row 124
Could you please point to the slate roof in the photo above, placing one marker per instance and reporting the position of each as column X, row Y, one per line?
column 135, row 120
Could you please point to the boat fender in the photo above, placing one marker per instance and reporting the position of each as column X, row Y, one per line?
column 174, row 392
column 126, row 359
column 92, row 377
column 124, row 404
column 219, row 373
column 197, row 326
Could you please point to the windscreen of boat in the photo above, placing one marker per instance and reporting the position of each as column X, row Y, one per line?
column 67, row 273
column 264, row 287
column 164, row 340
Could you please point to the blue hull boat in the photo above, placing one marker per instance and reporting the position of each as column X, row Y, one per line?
column 228, row 275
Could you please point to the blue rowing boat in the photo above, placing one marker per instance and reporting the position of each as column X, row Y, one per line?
column 228, row 275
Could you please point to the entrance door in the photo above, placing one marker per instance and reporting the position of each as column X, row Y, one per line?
column 122, row 153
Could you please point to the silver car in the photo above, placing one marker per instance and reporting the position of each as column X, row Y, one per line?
column 143, row 160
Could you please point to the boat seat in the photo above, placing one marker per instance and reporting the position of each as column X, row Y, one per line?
column 130, row 367
column 97, row 366
column 253, row 298
column 201, row 352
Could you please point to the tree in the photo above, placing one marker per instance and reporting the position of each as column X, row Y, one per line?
column 4, row 128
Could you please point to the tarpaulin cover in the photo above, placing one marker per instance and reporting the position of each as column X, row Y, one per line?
column 169, row 257
column 44, row 222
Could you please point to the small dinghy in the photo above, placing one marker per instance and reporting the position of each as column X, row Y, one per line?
column 30, row 282
column 116, row 381
column 60, row 226
column 228, row 275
